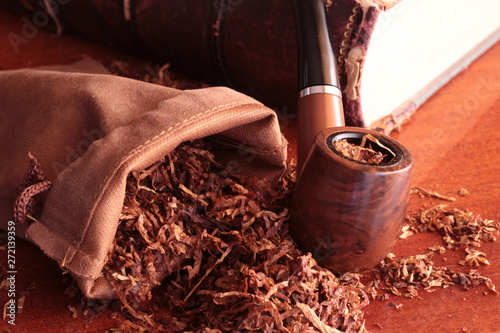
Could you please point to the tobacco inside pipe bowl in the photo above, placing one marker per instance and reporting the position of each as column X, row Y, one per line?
column 349, row 214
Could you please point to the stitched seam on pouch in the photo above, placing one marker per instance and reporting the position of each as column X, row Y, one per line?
column 113, row 169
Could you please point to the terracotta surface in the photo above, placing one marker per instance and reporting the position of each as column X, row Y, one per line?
column 454, row 139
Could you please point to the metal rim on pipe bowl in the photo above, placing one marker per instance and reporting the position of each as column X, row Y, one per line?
column 349, row 214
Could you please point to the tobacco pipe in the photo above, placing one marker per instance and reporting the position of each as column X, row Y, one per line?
column 348, row 214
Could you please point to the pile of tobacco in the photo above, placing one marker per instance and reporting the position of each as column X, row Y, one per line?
column 459, row 229
column 217, row 251
column 201, row 250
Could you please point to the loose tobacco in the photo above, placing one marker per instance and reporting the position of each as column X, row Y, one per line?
column 365, row 151
column 459, row 229
column 218, row 251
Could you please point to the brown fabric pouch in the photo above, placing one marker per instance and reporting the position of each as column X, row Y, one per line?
column 89, row 131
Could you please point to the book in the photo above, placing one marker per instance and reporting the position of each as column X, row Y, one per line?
column 416, row 47
column 392, row 54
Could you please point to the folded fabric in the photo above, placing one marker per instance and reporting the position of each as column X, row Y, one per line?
column 87, row 132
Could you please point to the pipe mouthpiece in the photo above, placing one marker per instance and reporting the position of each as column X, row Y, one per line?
column 317, row 64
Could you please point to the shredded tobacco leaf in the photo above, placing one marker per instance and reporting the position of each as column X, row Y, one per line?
column 463, row 192
column 363, row 152
column 22, row 297
column 404, row 277
column 422, row 191
column 217, row 251
column 474, row 258
column 457, row 227
column 153, row 73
